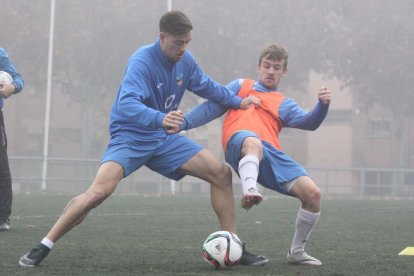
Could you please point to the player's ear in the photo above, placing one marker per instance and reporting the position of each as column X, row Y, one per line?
column 285, row 71
column 162, row 36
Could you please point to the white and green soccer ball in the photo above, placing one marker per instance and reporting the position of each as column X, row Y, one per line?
column 222, row 249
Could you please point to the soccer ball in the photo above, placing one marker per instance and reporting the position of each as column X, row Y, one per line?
column 222, row 249
column 5, row 77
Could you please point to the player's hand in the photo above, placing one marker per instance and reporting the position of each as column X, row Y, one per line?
column 6, row 90
column 172, row 121
column 250, row 101
column 324, row 95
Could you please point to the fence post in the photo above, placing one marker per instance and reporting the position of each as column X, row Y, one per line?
column 361, row 182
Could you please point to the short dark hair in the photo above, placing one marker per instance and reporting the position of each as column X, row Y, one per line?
column 175, row 22
column 275, row 52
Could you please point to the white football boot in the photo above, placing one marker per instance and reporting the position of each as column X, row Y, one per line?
column 302, row 258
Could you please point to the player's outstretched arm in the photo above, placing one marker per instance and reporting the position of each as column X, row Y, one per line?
column 202, row 114
column 209, row 110
column 294, row 116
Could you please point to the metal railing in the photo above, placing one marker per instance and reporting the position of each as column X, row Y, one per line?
column 70, row 175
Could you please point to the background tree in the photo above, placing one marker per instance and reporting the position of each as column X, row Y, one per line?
column 363, row 43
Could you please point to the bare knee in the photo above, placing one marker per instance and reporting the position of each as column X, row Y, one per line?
column 252, row 146
column 103, row 186
column 314, row 196
column 309, row 194
column 223, row 176
column 311, row 201
column 206, row 166
column 95, row 199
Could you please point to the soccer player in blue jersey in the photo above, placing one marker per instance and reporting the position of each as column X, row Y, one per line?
column 251, row 144
column 143, row 125
column 6, row 90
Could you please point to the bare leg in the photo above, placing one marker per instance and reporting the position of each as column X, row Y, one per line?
column 308, row 193
column 252, row 146
column 106, row 180
column 205, row 166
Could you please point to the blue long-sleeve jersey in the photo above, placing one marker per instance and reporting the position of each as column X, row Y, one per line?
column 290, row 113
column 7, row 65
column 153, row 86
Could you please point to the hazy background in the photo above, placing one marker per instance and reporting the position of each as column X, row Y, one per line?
column 362, row 49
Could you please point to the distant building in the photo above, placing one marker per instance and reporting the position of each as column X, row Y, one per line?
column 354, row 151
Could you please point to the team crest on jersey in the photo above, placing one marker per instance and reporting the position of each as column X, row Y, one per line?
column 179, row 79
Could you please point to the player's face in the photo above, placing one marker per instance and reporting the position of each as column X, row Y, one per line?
column 173, row 46
column 271, row 72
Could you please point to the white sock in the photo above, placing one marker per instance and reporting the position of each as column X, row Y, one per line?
column 47, row 242
column 305, row 221
column 248, row 171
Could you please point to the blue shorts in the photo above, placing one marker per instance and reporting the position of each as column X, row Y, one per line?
column 275, row 169
column 163, row 157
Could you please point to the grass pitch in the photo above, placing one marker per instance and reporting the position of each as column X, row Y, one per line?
column 136, row 235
